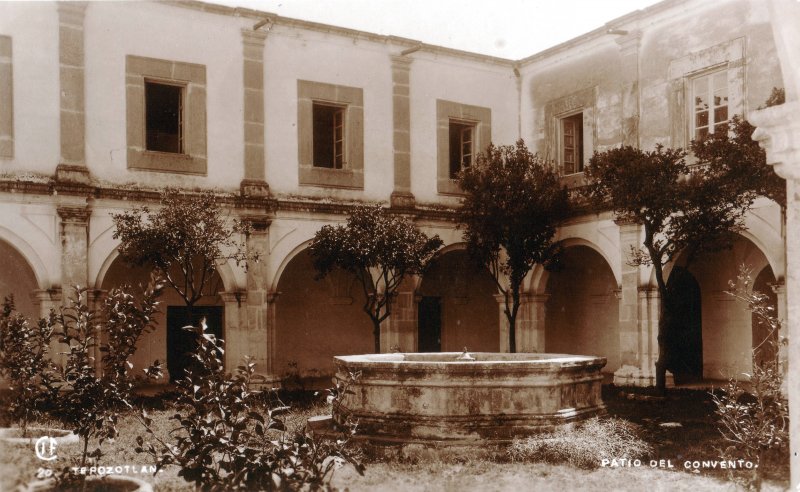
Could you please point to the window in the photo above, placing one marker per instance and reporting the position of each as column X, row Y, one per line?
column 572, row 144
column 328, row 136
column 462, row 131
column 709, row 103
column 164, row 116
column 462, row 136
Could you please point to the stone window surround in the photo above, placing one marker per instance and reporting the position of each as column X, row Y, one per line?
column 482, row 137
column 190, row 76
column 583, row 101
column 6, row 100
column 727, row 56
column 351, row 175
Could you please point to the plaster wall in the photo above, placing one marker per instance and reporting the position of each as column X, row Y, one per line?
column 35, row 86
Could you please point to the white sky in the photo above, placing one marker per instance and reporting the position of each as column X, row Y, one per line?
column 507, row 28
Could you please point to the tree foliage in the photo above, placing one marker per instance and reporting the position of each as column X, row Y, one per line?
column 185, row 240
column 513, row 202
column 684, row 210
column 380, row 250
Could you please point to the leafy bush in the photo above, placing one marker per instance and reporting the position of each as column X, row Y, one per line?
column 87, row 402
column 754, row 415
column 224, row 442
column 583, row 445
column 25, row 362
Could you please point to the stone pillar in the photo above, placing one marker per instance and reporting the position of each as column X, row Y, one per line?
column 628, row 297
column 529, row 328
column 401, row 109
column 254, row 183
column 778, row 131
column 399, row 332
column 629, row 55
column 95, row 299
column 783, row 354
column 74, row 249
column 72, row 167
column 251, row 329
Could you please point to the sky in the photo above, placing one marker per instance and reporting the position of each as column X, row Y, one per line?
column 510, row 29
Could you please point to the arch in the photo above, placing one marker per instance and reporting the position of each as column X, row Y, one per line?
column 285, row 262
column 581, row 308
column 28, row 253
column 539, row 276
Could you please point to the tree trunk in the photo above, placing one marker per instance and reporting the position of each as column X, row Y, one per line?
column 664, row 345
column 512, row 333
column 376, row 333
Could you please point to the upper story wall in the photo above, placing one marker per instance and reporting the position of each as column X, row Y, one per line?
column 633, row 81
column 29, row 87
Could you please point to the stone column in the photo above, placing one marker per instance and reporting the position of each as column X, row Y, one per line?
column 401, row 109
column 778, row 131
column 628, row 298
column 72, row 167
column 95, row 299
column 74, row 249
column 629, row 55
column 254, row 183
column 783, row 354
column 399, row 332
column 529, row 330
column 251, row 328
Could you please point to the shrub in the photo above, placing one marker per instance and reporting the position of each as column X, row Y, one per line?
column 25, row 362
column 583, row 445
column 754, row 415
column 87, row 402
column 224, row 443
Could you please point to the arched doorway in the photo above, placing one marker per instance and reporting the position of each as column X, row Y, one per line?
column 457, row 308
column 684, row 314
column 169, row 342
column 317, row 320
column 582, row 310
column 17, row 279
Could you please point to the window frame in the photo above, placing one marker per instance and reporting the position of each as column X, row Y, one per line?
column 447, row 111
column 339, row 156
column 464, row 125
column 351, row 100
column 580, row 139
column 181, row 114
column 692, row 79
column 192, row 78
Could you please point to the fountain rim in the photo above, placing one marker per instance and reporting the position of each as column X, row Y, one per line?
column 541, row 361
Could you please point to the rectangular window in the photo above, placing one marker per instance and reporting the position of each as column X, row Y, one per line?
column 710, row 103
column 462, row 147
column 572, row 144
column 164, row 117
column 329, row 136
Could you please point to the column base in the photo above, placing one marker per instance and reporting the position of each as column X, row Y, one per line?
column 643, row 378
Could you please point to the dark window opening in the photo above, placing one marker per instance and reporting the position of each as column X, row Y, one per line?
column 164, row 117
column 572, row 143
column 328, row 136
column 461, row 147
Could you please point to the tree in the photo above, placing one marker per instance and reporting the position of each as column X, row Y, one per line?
column 185, row 240
column 380, row 250
column 684, row 210
column 513, row 203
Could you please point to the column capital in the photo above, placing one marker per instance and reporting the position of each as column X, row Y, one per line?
column 74, row 215
column 238, row 297
column 778, row 132
column 254, row 38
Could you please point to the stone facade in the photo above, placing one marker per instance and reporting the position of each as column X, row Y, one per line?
column 73, row 150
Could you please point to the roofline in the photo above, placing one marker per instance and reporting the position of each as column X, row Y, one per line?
column 343, row 31
column 618, row 23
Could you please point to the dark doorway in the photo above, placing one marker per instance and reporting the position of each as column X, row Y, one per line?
column 684, row 317
column 430, row 324
column 180, row 343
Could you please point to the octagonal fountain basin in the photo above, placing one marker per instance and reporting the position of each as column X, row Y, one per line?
column 434, row 397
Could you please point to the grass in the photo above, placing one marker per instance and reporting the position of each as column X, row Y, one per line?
column 484, row 468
